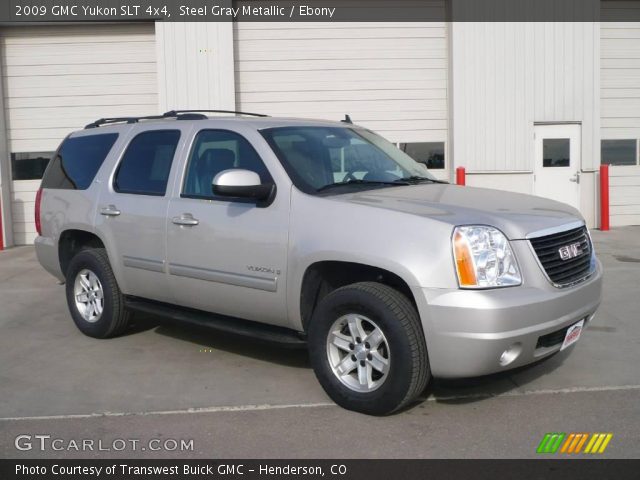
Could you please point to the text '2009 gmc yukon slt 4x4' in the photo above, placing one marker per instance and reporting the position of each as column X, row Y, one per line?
column 312, row 232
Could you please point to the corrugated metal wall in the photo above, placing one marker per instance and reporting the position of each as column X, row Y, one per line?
column 59, row 78
column 391, row 77
column 195, row 65
column 506, row 76
column 620, row 97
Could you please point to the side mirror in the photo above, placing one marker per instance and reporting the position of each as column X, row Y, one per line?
column 241, row 184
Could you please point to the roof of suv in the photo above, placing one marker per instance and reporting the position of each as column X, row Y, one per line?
column 254, row 121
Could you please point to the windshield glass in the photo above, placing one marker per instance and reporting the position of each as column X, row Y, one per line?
column 316, row 157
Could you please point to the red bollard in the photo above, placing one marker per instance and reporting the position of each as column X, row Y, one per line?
column 604, row 198
column 460, row 176
column 1, row 234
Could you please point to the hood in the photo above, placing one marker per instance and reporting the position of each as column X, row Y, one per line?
column 515, row 214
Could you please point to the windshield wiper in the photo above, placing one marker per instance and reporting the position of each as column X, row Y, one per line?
column 400, row 181
column 418, row 179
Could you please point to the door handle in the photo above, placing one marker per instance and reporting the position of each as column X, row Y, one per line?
column 110, row 211
column 575, row 178
column 186, row 219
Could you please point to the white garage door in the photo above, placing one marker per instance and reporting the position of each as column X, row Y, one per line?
column 620, row 94
column 390, row 77
column 59, row 78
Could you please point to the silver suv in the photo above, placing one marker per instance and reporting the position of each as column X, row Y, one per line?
column 312, row 233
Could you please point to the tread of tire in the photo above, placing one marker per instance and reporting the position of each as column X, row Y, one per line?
column 408, row 318
column 120, row 314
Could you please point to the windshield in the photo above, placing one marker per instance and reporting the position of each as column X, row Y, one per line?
column 318, row 157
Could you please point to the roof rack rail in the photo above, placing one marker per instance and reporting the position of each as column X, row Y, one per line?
column 173, row 113
column 177, row 114
column 110, row 120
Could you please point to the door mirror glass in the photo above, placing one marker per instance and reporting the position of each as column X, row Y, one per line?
column 242, row 184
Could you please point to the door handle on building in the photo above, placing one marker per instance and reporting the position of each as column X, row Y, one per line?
column 186, row 219
column 575, row 178
column 110, row 211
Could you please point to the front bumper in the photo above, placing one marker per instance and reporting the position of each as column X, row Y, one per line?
column 467, row 331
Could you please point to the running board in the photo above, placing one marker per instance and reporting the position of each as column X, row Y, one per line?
column 281, row 336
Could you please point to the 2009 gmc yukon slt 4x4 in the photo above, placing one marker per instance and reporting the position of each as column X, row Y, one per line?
column 300, row 231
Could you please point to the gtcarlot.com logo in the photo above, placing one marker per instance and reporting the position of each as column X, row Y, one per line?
column 574, row 443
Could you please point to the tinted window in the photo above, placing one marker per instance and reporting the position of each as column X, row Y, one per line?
column 215, row 151
column 619, row 152
column 145, row 166
column 431, row 153
column 556, row 152
column 29, row 166
column 77, row 161
column 316, row 157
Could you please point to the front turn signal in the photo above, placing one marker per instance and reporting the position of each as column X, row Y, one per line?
column 464, row 261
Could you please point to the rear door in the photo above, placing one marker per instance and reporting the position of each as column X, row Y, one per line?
column 132, row 209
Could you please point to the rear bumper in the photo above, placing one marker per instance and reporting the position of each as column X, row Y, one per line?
column 467, row 331
column 47, row 253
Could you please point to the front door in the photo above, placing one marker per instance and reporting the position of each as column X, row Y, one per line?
column 557, row 163
column 226, row 255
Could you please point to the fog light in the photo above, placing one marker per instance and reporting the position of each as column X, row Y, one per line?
column 510, row 354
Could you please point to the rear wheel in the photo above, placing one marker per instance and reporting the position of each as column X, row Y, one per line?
column 367, row 348
column 93, row 296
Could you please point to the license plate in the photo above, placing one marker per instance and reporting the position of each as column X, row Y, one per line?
column 572, row 335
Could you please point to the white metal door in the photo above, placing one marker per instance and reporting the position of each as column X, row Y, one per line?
column 58, row 78
column 557, row 163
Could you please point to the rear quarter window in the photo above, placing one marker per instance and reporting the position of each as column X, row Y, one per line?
column 77, row 161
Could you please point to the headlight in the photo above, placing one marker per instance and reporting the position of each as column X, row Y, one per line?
column 484, row 258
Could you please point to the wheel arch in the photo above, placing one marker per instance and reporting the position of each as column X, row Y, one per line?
column 73, row 240
column 322, row 277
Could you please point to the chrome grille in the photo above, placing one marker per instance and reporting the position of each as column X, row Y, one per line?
column 568, row 271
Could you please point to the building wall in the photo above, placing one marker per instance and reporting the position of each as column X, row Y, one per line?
column 620, row 93
column 195, row 65
column 390, row 77
column 56, row 79
column 506, row 76
column 6, row 220
column 479, row 87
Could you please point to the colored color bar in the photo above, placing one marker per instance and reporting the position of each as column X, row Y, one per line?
column 593, row 439
column 543, row 443
column 582, row 442
column 574, row 445
column 558, row 442
column 606, row 441
column 567, row 442
column 599, row 440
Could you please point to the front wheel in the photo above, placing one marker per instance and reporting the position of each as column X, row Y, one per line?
column 367, row 348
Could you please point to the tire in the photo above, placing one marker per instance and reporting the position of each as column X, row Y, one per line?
column 108, row 316
column 369, row 306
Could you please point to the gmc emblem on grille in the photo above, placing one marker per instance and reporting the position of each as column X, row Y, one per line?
column 570, row 251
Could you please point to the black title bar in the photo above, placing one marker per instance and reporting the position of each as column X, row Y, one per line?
column 38, row 11
column 117, row 469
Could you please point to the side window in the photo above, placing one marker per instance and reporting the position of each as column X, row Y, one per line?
column 77, row 161
column 145, row 165
column 214, row 151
